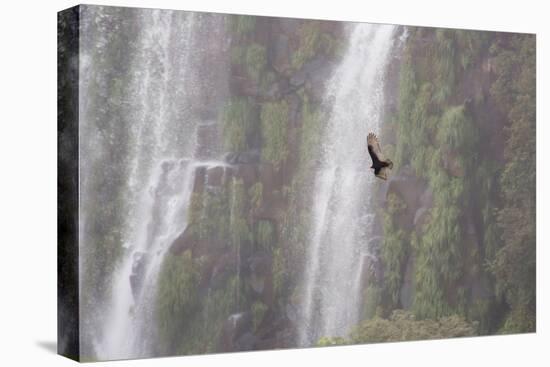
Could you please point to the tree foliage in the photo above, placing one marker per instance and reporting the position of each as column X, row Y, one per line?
column 274, row 121
column 514, row 263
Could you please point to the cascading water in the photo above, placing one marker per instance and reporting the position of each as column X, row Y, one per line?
column 175, row 59
column 342, row 217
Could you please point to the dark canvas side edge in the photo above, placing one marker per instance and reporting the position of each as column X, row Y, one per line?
column 68, row 326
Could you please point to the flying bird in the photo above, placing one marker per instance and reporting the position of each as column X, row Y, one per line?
column 379, row 163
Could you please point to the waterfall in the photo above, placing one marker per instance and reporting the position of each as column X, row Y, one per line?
column 170, row 90
column 342, row 216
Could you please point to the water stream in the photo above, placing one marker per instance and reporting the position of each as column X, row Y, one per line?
column 161, row 113
column 166, row 99
column 342, row 217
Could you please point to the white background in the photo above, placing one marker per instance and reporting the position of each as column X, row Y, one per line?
column 28, row 182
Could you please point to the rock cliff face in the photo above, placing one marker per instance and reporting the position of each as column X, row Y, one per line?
column 447, row 133
column 242, row 205
column 212, row 205
column 246, row 231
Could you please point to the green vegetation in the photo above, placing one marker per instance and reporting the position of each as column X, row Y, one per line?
column 265, row 234
column 201, row 332
column 394, row 250
column 238, row 125
column 189, row 321
column 280, row 273
column 328, row 342
column 313, row 42
column 258, row 312
column 274, row 121
column 241, row 25
column 239, row 231
column 481, row 222
column 514, row 262
column 255, row 60
column 373, row 299
column 441, row 131
column 479, row 226
column 252, row 57
column 439, row 140
column 403, row 326
column 310, row 133
column 177, row 299
column 256, row 195
column 309, row 43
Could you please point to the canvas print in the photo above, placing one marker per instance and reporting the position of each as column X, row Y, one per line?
column 233, row 183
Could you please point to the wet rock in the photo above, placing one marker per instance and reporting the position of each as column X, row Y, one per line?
column 167, row 166
column 298, row 78
column 235, row 327
column 480, row 289
column 489, row 65
column 268, row 177
column 427, row 198
column 452, row 165
column 260, row 272
column 215, row 176
column 231, row 158
column 200, row 179
column 246, row 342
column 289, row 25
column 409, row 188
column 375, row 244
column 406, row 294
column 241, row 84
column 291, row 312
column 295, row 107
column 333, row 28
column 207, row 140
column 277, row 329
column 375, row 268
column 257, row 283
column 248, row 157
column 272, row 93
column 281, row 55
column 315, row 84
column 470, row 227
column 187, row 240
column 139, row 260
column 310, row 70
column 247, row 173
column 224, row 267
column 371, row 268
column 273, row 204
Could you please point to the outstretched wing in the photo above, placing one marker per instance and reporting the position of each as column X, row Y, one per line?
column 374, row 148
column 380, row 164
column 382, row 173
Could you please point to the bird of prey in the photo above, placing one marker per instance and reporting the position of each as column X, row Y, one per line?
column 379, row 163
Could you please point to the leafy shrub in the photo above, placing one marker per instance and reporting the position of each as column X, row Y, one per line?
column 177, row 299
column 255, row 60
column 259, row 310
column 394, row 249
column 238, row 124
column 274, row 118
column 265, row 234
column 403, row 326
column 309, row 43
column 514, row 263
column 241, row 25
